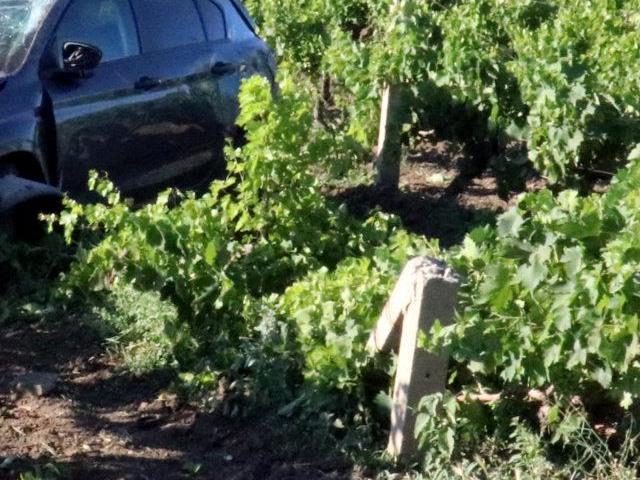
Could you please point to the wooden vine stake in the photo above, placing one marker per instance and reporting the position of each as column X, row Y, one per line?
column 392, row 115
column 426, row 292
column 390, row 138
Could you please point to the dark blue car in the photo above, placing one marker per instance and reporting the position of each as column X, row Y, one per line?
column 145, row 90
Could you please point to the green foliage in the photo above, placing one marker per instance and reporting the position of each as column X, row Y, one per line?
column 333, row 313
column 48, row 471
column 525, row 454
column 550, row 293
column 575, row 73
column 260, row 283
column 295, row 29
column 135, row 325
column 549, row 302
column 558, row 75
column 436, row 424
column 251, row 234
column 554, row 74
column 474, row 56
column 27, row 272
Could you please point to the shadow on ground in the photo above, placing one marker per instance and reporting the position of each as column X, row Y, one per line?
column 442, row 194
column 442, row 218
column 102, row 423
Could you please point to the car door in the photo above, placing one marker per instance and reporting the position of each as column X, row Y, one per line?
column 132, row 116
column 94, row 114
column 236, row 56
column 177, row 56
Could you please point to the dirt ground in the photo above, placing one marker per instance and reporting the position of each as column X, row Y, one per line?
column 102, row 423
column 440, row 194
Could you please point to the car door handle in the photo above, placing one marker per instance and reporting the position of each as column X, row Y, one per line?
column 147, row 83
column 223, row 68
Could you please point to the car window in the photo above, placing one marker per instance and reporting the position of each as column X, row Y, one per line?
column 237, row 27
column 20, row 20
column 166, row 24
column 106, row 24
column 213, row 19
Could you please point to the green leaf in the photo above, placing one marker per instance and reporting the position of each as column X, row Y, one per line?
column 495, row 289
column 383, row 401
column 603, row 376
column 532, row 274
column 579, row 355
column 632, row 350
column 552, row 355
column 211, row 253
column 509, row 223
column 155, row 237
column 553, row 415
column 634, row 155
column 561, row 313
column 470, row 249
column 517, row 132
column 572, row 259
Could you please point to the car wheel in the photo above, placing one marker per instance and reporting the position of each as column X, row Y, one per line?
column 22, row 221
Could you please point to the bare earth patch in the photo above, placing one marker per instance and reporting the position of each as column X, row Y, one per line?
column 438, row 197
column 99, row 422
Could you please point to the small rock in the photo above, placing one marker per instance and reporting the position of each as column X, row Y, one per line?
column 35, row 383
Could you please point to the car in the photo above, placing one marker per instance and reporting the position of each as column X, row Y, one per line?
column 144, row 90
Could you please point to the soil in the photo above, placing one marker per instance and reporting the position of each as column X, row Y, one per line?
column 441, row 195
column 101, row 422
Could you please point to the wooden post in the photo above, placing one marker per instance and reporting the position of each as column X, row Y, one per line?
column 390, row 138
column 426, row 292
column 392, row 117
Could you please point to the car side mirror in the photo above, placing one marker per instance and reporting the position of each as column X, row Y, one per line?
column 80, row 58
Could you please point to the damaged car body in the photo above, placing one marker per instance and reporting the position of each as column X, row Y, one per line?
column 145, row 91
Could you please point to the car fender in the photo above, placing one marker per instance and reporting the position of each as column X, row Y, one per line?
column 22, row 133
column 15, row 191
column 18, row 132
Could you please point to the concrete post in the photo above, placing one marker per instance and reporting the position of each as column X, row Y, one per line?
column 388, row 158
column 426, row 292
column 393, row 114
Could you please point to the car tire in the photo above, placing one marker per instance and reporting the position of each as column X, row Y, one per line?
column 22, row 222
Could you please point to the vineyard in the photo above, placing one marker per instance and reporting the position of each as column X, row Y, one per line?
column 261, row 293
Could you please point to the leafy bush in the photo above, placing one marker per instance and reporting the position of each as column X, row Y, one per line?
column 260, row 279
column 575, row 73
column 474, row 57
column 522, row 453
column 559, row 75
column 555, row 74
column 547, row 334
column 550, row 294
column 253, row 233
column 332, row 314
column 296, row 30
column 135, row 325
